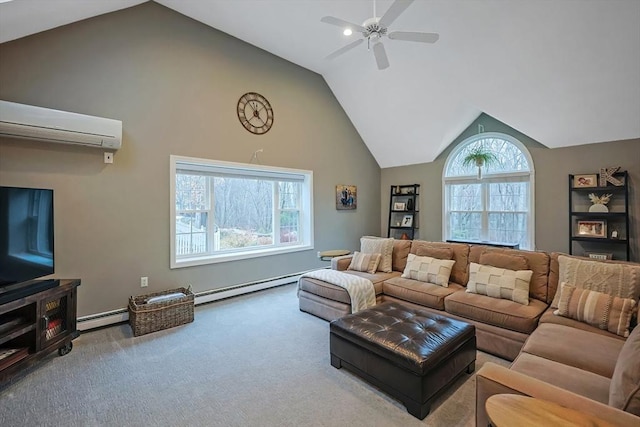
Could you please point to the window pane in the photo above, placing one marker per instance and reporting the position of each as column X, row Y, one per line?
column 509, row 196
column 243, row 212
column 508, row 227
column 191, row 233
column 191, row 192
column 465, row 197
column 465, row 225
column 289, row 194
column 289, row 226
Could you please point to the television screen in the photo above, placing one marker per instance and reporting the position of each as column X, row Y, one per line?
column 26, row 235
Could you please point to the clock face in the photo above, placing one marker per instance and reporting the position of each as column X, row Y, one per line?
column 255, row 113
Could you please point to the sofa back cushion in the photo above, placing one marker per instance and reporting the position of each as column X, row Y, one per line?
column 433, row 252
column 401, row 250
column 624, row 390
column 617, row 278
column 460, row 270
column 537, row 262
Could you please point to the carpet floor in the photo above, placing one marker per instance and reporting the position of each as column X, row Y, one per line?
column 252, row 360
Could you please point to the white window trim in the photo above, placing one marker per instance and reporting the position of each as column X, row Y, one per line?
column 306, row 210
column 473, row 179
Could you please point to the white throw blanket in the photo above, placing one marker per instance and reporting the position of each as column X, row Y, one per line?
column 360, row 290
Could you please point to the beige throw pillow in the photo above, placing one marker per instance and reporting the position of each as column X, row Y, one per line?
column 379, row 245
column 499, row 282
column 603, row 311
column 364, row 262
column 427, row 269
column 624, row 390
column 620, row 280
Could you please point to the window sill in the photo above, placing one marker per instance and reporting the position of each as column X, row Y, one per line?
column 236, row 256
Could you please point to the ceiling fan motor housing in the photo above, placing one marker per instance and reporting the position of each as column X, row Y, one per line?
column 374, row 31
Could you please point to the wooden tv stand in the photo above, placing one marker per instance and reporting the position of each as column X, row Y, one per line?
column 34, row 325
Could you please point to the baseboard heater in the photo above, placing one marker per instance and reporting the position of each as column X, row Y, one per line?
column 107, row 318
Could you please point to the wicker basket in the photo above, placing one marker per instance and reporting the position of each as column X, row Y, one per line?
column 146, row 318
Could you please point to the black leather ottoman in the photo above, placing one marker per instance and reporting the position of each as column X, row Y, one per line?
column 408, row 353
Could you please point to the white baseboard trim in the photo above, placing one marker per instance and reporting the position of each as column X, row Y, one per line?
column 112, row 317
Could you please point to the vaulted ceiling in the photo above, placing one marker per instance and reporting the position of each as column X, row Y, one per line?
column 564, row 73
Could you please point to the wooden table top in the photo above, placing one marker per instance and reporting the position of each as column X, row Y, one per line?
column 334, row 253
column 523, row 411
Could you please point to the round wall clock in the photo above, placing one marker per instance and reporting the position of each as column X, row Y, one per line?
column 255, row 113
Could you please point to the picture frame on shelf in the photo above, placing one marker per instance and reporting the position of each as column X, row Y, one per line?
column 399, row 206
column 407, row 221
column 585, row 181
column 592, row 229
column 600, row 256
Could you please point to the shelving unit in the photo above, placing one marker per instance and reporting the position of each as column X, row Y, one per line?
column 403, row 211
column 36, row 324
column 603, row 235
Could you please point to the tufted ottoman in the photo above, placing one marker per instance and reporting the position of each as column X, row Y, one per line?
column 411, row 354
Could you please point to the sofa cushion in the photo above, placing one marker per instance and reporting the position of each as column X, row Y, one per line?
column 613, row 278
column 435, row 252
column 499, row 282
column 597, row 309
column 573, row 347
column 549, row 317
column 379, row 245
column 460, row 270
column 364, row 262
column 336, row 293
column 399, row 255
column 538, row 263
column 497, row 312
column 584, row 383
column 427, row 269
column 425, row 294
column 624, row 392
column 502, row 260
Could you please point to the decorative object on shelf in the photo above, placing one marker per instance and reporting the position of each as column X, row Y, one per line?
column 346, row 197
column 255, row 113
column 410, row 204
column 599, row 256
column 614, row 234
column 404, row 236
column 399, row 206
column 396, row 190
column 583, row 181
column 479, row 157
column 606, row 175
column 599, row 202
column 407, row 221
column 592, row 229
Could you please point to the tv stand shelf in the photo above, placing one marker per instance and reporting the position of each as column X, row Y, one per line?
column 36, row 322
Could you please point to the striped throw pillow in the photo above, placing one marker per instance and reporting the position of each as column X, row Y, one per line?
column 364, row 262
column 603, row 311
column 427, row 269
column 499, row 282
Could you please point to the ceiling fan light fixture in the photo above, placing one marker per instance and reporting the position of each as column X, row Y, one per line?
column 347, row 32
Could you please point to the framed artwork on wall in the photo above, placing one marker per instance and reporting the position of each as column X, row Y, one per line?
column 346, row 197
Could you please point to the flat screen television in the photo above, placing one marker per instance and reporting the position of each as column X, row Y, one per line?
column 26, row 238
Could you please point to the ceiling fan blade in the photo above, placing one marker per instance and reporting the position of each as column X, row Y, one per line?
column 394, row 11
column 344, row 49
column 381, row 56
column 342, row 23
column 414, row 37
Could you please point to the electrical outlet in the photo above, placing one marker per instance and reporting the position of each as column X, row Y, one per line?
column 318, row 254
column 144, row 282
column 108, row 157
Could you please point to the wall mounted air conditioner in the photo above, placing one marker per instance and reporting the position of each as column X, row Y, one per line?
column 44, row 124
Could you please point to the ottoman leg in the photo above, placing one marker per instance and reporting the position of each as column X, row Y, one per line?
column 417, row 410
column 336, row 362
column 471, row 367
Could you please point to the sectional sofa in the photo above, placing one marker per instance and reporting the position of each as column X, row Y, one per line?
column 555, row 357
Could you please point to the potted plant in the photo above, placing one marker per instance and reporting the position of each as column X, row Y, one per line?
column 479, row 157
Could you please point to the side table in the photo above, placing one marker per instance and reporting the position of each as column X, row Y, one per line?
column 327, row 255
column 523, row 411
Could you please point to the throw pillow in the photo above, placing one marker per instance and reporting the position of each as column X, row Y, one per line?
column 620, row 280
column 435, row 252
column 364, row 262
column 501, row 260
column 603, row 311
column 499, row 282
column 379, row 245
column 428, row 269
column 624, row 390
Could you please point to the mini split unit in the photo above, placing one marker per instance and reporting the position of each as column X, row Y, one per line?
column 44, row 124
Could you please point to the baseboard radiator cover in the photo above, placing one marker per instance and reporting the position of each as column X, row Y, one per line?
column 112, row 317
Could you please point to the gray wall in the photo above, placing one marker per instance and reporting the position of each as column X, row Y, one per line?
column 174, row 83
column 552, row 167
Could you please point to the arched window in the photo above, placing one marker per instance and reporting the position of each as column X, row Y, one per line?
column 499, row 206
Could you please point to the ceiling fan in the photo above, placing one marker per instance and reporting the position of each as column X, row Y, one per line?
column 373, row 29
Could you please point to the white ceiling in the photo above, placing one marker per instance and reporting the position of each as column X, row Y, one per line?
column 564, row 73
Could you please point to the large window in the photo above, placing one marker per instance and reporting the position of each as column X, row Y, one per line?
column 225, row 211
column 497, row 207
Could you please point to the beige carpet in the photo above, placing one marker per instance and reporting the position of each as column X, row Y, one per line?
column 254, row 360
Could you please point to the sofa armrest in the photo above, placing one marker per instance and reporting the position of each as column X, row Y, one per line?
column 341, row 263
column 495, row 379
